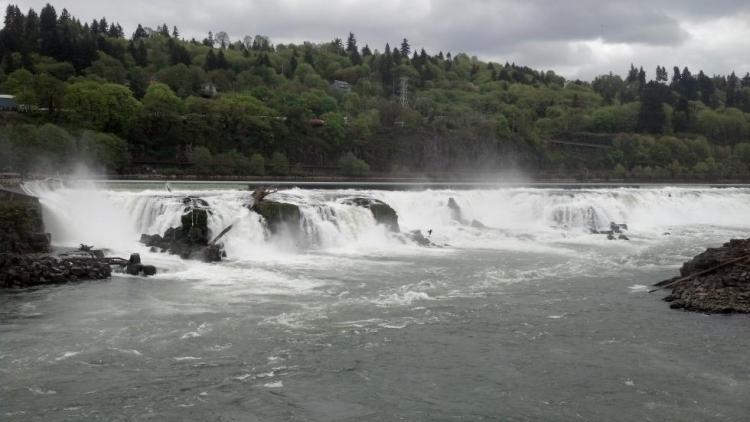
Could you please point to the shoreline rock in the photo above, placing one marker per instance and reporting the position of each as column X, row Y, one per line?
column 715, row 281
column 19, row 271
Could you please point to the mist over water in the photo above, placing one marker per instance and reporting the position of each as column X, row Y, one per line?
column 531, row 316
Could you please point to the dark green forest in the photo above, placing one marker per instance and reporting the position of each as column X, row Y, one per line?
column 153, row 101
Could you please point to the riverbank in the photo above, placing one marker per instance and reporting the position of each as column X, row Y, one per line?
column 715, row 281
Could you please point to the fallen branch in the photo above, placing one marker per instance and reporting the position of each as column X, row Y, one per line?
column 223, row 232
column 260, row 193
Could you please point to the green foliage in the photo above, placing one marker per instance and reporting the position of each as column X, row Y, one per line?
column 161, row 100
column 102, row 106
column 103, row 149
column 279, row 164
column 257, row 165
column 224, row 106
column 202, row 160
column 350, row 165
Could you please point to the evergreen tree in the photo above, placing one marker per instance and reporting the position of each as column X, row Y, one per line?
column 675, row 78
column 175, row 33
column 661, row 74
column 308, row 56
column 366, row 51
column 641, row 79
column 211, row 63
column 338, row 46
column 31, row 31
column 48, row 31
column 351, row 43
column 652, row 116
column 221, row 61
column 405, row 48
column 139, row 33
column 732, row 91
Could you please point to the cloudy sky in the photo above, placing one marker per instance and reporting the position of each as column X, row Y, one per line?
column 576, row 38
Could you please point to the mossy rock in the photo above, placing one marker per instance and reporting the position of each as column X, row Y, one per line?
column 195, row 218
column 382, row 212
column 279, row 214
column 22, row 228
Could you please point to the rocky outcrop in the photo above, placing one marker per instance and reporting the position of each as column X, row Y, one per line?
column 22, row 228
column 457, row 215
column 39, row 269
column 278, row 215
column 192, row 239
column 615, row 231
column 134, row 266
column 715, row 281
column 382, row 212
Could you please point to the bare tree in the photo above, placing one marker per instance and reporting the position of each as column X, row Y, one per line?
column 222, row 38
column 247, row 42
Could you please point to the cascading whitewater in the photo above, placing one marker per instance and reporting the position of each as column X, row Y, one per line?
column 116, row 219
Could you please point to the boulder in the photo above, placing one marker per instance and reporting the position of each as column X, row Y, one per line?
column 134, row 269
column 457, row 215
column 278, row 215
column 419, row 238
column 148, row 270
column 455, row 210
column 191, row 239
column 382, row 212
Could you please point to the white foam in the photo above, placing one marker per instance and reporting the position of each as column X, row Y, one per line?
column 276, row 384
column 66, row 355
column 552, row 221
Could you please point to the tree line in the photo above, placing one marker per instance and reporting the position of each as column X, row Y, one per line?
column 250, row 107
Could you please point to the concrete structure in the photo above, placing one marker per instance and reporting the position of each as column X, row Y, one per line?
column 341, row 86
column 8, row 103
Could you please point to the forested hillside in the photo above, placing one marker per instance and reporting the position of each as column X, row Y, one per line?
column 89, row 91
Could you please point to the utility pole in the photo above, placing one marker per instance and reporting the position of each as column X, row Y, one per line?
column 404, row 91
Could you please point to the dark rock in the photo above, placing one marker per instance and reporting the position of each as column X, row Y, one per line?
column 213, row 253
column 457, row 215
column 382, row 212
column 134, row 259
column 477, row 224
column 279, row 215
column 151, row 240
column 191, row 239
column 419, row 238
column 22, row 228
column 623, row 237
column 715, row 281
column 37, row 269
column 134, row 268
column 148, row 270
column 455, row 210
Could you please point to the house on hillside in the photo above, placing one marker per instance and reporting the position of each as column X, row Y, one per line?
column 8, row 103
column 341, row 86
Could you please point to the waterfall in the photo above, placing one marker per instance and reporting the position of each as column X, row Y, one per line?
column 116, row 218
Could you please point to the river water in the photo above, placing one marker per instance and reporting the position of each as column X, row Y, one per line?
column 531, row 317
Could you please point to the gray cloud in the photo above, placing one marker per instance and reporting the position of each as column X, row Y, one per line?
column 577, row 38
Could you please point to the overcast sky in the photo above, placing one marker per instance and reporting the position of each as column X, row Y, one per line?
column 575, row 38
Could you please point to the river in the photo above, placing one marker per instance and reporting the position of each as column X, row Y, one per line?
column 530, row 317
